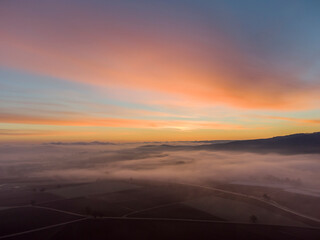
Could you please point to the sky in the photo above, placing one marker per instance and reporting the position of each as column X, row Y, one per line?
column 146, row 70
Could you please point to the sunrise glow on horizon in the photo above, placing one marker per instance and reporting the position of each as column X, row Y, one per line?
column 127, row 71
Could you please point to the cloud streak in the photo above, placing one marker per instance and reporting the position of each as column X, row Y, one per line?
column 296, row 120
column 114, row 122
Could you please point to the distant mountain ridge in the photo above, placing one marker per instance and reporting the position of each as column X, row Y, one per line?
column 291, row 144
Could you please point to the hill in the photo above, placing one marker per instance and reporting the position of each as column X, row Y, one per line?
column 302, row 143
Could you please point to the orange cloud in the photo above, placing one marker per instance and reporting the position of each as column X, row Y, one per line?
column 28, row 133
column 114, row 122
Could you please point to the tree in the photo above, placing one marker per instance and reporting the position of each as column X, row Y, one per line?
column 253, row 218
column 88, row 210
column 265, row 196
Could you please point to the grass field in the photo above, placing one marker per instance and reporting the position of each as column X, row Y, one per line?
column 92, row 188
column 25, row 197
column 89, row 206
column 140, row 199
column 239, row 211
column 26, row 218
column 119, row 203
column 178, row 211
column 101, row 229
column 304, row 204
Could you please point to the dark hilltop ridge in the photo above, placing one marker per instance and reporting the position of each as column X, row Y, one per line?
column 302, row 143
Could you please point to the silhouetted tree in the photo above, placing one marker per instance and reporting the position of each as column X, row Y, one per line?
column 265, row 196
column 88, row 210
column 253, row 218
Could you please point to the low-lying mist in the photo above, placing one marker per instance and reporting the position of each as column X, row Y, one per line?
column 99, row 161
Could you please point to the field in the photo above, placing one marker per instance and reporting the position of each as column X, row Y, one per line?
column 142, row 196
column 26, row 218
column 237, row 211
column 24, row 197
column 304, row 204
column 92, row 188
column 108, row 206
column 143, row 229
column 177, row 211
column 88, row 205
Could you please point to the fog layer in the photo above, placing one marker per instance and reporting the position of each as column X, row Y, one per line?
column 91, row 162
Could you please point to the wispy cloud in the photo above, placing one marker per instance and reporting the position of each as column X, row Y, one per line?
column 113, row 122
column 290, row 119
column 13, row 132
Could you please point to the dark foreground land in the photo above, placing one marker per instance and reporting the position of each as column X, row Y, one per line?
column 168, row 229
column 140, row 209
